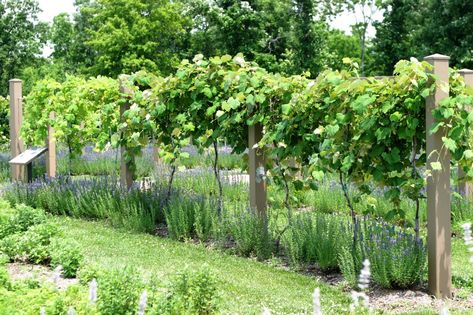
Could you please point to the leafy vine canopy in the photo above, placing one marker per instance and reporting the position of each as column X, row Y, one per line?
column 368, row 130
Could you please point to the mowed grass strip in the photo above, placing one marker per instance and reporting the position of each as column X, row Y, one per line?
column 247, row 286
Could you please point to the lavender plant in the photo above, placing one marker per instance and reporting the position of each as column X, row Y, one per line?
column 398, row 259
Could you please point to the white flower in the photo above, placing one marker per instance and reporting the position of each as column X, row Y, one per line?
column 316, row 300
column 310, row 84
column 42, row 311
column 148, row 117
column 71, row 311
column 142, row 304
column 93, row 291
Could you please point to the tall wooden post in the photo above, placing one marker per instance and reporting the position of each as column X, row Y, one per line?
column 438, row 190
column 126, row 173
column 16, row 118
column 51, row 153
column 256, row 170
column 465, row 188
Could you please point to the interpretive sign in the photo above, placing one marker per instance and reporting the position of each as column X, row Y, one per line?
column 28, row 156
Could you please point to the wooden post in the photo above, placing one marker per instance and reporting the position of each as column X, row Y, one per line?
column 465, row 188
column 126, row 173
column 16, row 118
column 256, row 170
column 51, row 153
column 438, row 190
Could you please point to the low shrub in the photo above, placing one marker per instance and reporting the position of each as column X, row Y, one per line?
column 251, row 235
column 32, row 245
column 191, row 218
column 191, row 293
column 316, row 238
column 5, row 281
column 19, row 219
column 119, row 292
column 398, row 259
column 66, row 255
column 87, row 273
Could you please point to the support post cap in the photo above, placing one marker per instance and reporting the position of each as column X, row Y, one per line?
column 437, row 57
column 15, row 81
column 465, row 71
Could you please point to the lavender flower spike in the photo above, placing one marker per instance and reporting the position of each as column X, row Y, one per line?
column 93, row 291
column 444, row 311
column 143, row 301
column 316, row 297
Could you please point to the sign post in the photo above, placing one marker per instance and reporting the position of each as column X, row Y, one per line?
column 16, row 118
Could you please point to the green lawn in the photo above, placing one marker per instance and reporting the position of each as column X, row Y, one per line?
column 247, row 285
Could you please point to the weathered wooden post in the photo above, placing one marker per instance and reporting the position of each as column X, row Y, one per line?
column 438, row 189
column 465, row 188
column 256, row 170
column 126, row 173
column 16, row 117
column 51, row 153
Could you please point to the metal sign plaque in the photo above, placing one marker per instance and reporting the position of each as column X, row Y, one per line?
column 28, row 156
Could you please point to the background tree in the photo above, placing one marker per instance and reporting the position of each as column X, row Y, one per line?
column 397, row 35
column 447, row 30
column 21, row 36
column 133, row 35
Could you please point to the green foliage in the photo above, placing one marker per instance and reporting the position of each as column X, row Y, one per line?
column 129, row 36
column 250, row 234
column 22, row 38
column 5, row 281
column 96, row 198
column 88, row 272
column 317, row 238
column 4, row 121
column 191, row 218
column 66, row 255
column 21, row 218
column 191, row 293
column 398, row 259
column 119, row 291
column 85, row 111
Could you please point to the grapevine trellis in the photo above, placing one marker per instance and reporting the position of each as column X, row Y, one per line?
column 365, row 130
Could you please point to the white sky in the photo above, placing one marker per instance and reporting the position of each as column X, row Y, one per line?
column 51, row 8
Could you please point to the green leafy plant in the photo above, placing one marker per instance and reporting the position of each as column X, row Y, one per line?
column 119, row 292
column 191, row 293
column 66, row 255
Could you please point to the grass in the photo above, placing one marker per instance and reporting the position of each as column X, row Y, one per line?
column 247, row 286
